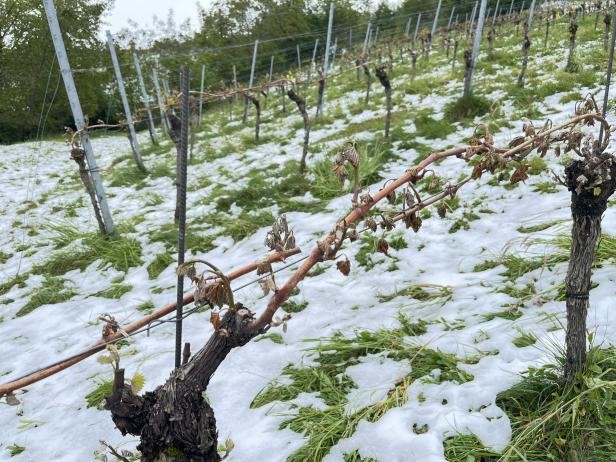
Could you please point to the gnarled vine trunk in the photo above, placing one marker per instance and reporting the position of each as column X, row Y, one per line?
column 525, row 50
column 368, row 79
column 491, row 37
column 587, row 206
column 301, row 105
column 455, row 55
column 381, row 73
column 78, row 155
column 607, row 20
column 573, row 27
column 321, row 92
column 175, row 419
column 468, row 70
column 257, row 105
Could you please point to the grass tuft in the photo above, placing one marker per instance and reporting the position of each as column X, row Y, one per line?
column 115, row 291
column 79, row 249
column 467, row 448
column 419, row 292
column 552, row 420
column 467, row 107
column 160, row 263
column 51, row 292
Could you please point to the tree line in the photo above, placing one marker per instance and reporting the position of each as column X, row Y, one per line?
column 30, row 80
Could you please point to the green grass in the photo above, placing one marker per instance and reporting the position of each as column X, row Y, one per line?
column 373, row 156
column 573, row 96
column 274, row 337
column 152, row 199
column 15, row 449
column 146, row 307
column 429, row 128
column 538, row 227
column 317, row 270
column 127, row 174
column 78, row 249
column 552, row 420
column 355, row 457
column 115, row 291
column 51, row 292
column 367, row 256
column 486, row 265
column 240, row 227
column 516, row 266
column 159, row 264
column 292, row 306
column 328, row 380
column 466, row 107
column 606, row 249
column 545, row 187
column 422, row 293
column 467, row 448
column 167, row 234
column 97, row 396
column 19, row 281
column 463, row 223
column 510, row 314
column 525, row 339
column 4, row 257
column 265, row 188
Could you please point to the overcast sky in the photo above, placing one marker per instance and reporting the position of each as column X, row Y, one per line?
column 142, row 12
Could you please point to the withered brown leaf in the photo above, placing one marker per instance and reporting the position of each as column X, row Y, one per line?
column 391, row 197
column 382, row 246
column 341, row 173
column 352, row 234
column 518, row 140
column 387, row 223
column 519, row 174
column 268, row 284
column 263, row 267
column 344, row 266
column 370, row 223
column 413, row 221
column 216, row 293
column 409, row 197
column 350, row 154
column 477, row 172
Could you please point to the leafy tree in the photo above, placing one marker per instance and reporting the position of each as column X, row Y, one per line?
column 27, row 58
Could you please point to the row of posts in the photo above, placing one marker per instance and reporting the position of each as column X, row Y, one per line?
column 78, row 115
